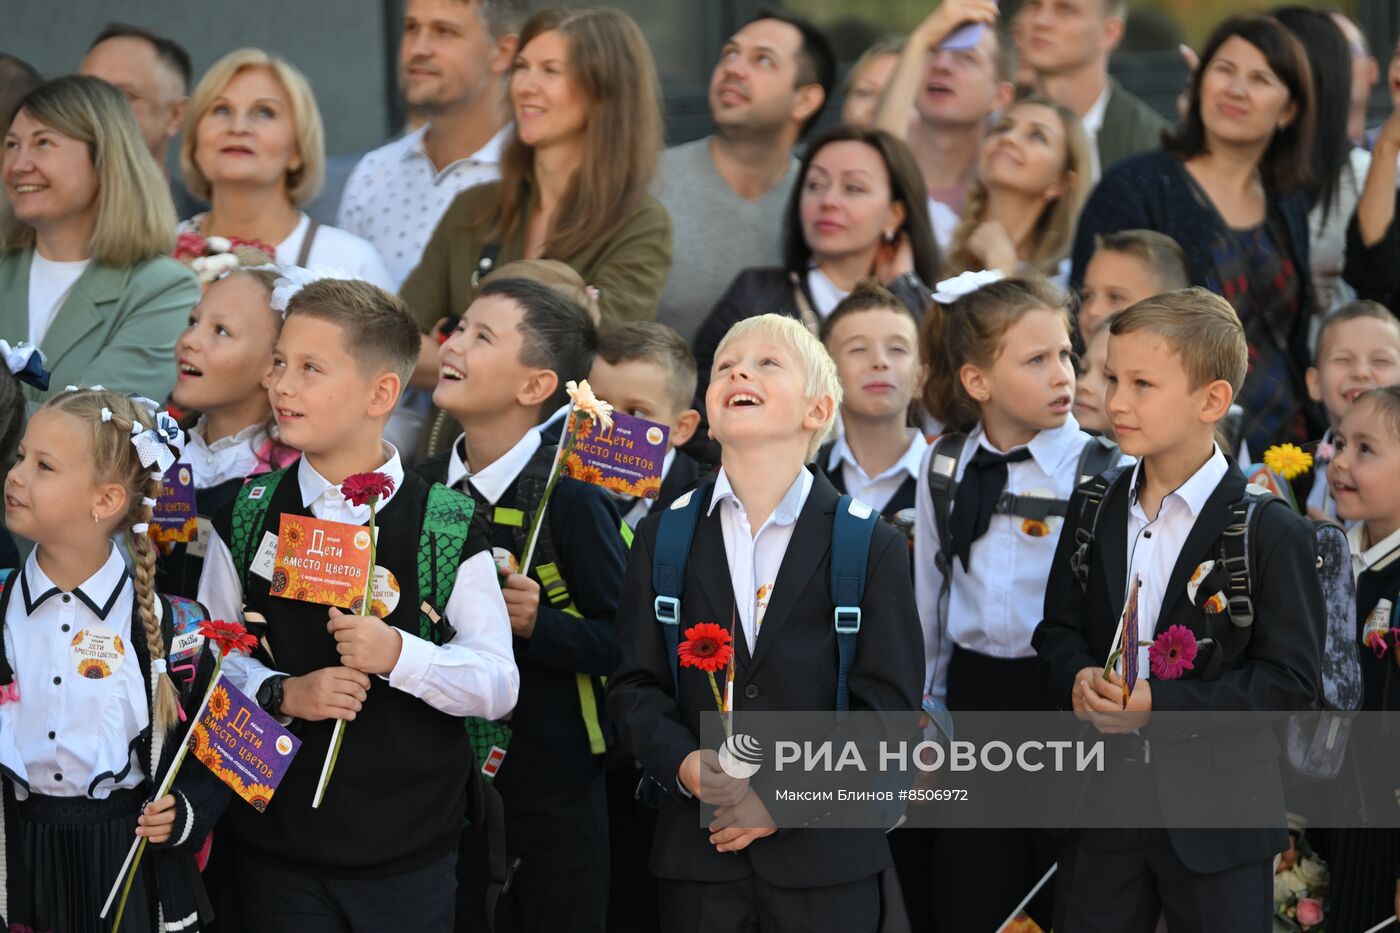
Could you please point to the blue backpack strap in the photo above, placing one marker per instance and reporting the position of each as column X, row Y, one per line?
column 850, row 552
column 673, row 539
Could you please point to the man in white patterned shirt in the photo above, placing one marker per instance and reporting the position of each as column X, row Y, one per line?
column 452, row 63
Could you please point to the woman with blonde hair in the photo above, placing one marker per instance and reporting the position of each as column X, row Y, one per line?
column 1033, row 177
column 253, row 147
column 85, row 226
column 574, row 180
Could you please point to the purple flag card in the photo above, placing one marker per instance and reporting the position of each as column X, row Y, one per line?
column 625, row 460
column 175, row 517
column 245, row 747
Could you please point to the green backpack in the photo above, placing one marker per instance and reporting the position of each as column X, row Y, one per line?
column 446, row 523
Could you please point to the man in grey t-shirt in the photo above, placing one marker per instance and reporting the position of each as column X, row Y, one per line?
column 726, row 192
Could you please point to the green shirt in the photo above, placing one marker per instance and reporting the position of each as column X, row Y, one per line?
column 629, row 267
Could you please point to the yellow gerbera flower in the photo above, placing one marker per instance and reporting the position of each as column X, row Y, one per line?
column 1288, row 460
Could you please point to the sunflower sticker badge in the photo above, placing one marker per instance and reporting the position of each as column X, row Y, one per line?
column 229, row 734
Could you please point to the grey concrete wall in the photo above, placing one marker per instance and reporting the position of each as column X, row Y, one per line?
column 339, row 44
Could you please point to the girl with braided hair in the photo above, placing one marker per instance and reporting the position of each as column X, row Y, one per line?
column 91, row 697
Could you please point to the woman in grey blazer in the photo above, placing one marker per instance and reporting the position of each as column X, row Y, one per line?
column 86, row 228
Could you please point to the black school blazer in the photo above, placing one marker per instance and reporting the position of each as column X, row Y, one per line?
column 1276, row 669
column 793, row 667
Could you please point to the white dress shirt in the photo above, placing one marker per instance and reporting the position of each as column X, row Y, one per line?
column 825, row 295
column 1092, row 121
column 472, row 675
column 232, row 457
column 492, row 481
column 993, row 607
column 755, row 556
column 395, row 196
column 639, row 507
column 83, row 700
column 1367, row 556
column 876, row 491
column 1154, row 544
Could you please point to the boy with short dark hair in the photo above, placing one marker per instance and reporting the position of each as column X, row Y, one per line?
column 1174, row 364
column 1126, row 267
column 761, row 556
column 1358, row 349
column 381, row 849
column 874, row 340
column 504, row 368
column 647, row 370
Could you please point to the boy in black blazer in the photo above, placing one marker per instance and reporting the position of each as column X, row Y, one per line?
column 761, row 556
column 1174, row 364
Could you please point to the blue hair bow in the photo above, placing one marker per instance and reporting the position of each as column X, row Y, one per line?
column 26, row 361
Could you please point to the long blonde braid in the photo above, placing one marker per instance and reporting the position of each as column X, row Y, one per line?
column 112, row 417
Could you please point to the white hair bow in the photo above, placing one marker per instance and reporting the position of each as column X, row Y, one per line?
column 26, row 361
column 950, row 290
column 157, row 446
column 295, row 278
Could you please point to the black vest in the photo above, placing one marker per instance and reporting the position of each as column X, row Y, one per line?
column 397, row 800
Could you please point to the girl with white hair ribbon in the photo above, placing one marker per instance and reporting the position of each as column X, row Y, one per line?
column 95, row 678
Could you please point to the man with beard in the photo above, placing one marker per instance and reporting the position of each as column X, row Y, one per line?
column 453, row 61
column 726, row 193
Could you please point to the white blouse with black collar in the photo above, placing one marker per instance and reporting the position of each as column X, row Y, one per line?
column 82, row 695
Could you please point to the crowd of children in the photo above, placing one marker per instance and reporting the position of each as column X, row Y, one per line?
column 1110, row 459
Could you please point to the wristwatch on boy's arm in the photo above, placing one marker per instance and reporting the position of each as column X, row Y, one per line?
column 270, row 695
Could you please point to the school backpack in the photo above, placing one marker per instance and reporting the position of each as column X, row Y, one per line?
column 1314, row 741
column 1098, row 455
column 529, row 492
column 446, row 523
column 850, row 550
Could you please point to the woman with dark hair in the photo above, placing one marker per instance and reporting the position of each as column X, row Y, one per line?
column 1230, row 186
column 1373, row 235
column 859, row 211
column 1339, row 167
column 574, row 178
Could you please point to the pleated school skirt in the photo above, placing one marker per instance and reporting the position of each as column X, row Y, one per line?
column 70, row 850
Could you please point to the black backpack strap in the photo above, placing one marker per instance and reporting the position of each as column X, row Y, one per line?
column 942, row 486
column 1235, row 550
column 1095, row 457
column 1090, row 508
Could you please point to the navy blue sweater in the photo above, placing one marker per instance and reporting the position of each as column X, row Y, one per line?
column 1151, row 191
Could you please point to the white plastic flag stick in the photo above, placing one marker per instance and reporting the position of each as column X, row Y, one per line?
column 1027, row 899
column 164, row 788
column 1382, row 925
column 564, row 441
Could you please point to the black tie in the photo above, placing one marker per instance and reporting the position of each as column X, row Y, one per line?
column 981, row 487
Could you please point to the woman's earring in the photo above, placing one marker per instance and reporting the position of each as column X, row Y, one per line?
column 95, row 519
column 889, row 236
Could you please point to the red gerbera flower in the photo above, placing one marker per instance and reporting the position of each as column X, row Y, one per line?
column 1172, row 653
column 229, row 636
column 706, row 646
column 189, row 245
column 366, row 488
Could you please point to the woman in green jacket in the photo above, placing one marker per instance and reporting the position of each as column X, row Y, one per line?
column 574, row 179
column 86, row 227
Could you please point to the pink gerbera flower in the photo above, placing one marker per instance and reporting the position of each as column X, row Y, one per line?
column 1172, row 652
